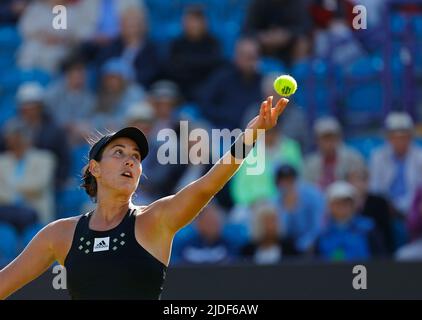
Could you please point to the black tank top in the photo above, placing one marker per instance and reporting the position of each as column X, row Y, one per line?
column 112, row 264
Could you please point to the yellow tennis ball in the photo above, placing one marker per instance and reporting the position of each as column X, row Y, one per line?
column 285, row 85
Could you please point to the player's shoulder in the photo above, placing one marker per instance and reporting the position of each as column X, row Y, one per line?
column 63, row 226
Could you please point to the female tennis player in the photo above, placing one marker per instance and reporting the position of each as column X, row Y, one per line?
column 121, row 251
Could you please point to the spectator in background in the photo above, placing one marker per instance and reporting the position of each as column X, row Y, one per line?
column 104, row 18
column 332, row 159
column 333, row 35
column 133, row 47
column 117, row 92
column 70, row 101
column 26, row 178
column 281, row 28
column 165, row 98
column 324, row 12
column 372, row 205
column 247, row 189
column 195, row 54
column 142, row 116
column 11, row 10
column 45, row 133
column 395, row 166
column 231, row 89
column 300, row 208
column 208, row 245
column 347, row 235
column 268, row 245
column 199, row 157
column 43, row 46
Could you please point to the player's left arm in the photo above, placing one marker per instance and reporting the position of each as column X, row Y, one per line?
column 180, row 209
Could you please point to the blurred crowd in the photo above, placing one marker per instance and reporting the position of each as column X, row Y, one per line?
column 319, row 196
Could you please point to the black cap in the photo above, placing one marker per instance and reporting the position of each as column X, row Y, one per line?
column 129, row 132
column 285, row 171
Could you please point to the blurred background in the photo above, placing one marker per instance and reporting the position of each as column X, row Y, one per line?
column 343, row 175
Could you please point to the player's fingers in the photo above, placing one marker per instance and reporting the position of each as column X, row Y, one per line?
column 281, row 105
column 261, row 117
column 268, row 113
column 270, row 108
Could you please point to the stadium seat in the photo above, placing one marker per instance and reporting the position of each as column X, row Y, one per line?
column 29, row 233
column 179, row 240
column 79, row 159
column 237, row 234
column 10, row 80
column 70, row 202
column 397, row 23
column 315, row 94
column 9, row 38
column 7, row 108
column 8, row 243
column 270, row 65
column 363, row 92
column 365, row 145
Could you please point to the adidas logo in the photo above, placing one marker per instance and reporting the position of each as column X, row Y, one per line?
column 101, row 244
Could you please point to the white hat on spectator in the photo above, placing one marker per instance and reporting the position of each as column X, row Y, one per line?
column 140, row 111
column 399, row 121
column 30, row 92
column 327, row 125
column 340, row 190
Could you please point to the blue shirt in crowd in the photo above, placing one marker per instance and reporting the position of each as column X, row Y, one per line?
column 303, row 223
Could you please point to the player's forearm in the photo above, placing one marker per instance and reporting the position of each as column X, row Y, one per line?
column 227, row 165
column 215, row 179
column 188, row 202
column 7, row 286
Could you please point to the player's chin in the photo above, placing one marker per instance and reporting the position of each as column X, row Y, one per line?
column 128, row 186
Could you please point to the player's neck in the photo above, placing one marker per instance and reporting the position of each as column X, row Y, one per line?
column 108, row 209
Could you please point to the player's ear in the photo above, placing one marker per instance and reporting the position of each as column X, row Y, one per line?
column 94, row 168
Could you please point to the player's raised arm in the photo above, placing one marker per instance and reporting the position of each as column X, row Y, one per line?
column 178, row 210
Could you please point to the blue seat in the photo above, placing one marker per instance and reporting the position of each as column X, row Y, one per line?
column 13, row 77
column 237, row 234
column 70, row 201
column 9, row 38
column 269, row 65
column 79, row 159
column 181, row 237
column 29, row 233
column 7, row 108
column 35, row 75
column 417, row 26
column 7, row 59
column 365, row 145
column 398, row 23
column 315, row 87
column 363, row 91
column 8, row 243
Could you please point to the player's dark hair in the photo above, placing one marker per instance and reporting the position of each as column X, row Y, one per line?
column 89, row 183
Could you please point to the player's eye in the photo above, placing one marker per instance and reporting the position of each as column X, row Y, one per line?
column 118, row 152
column 137, row 156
